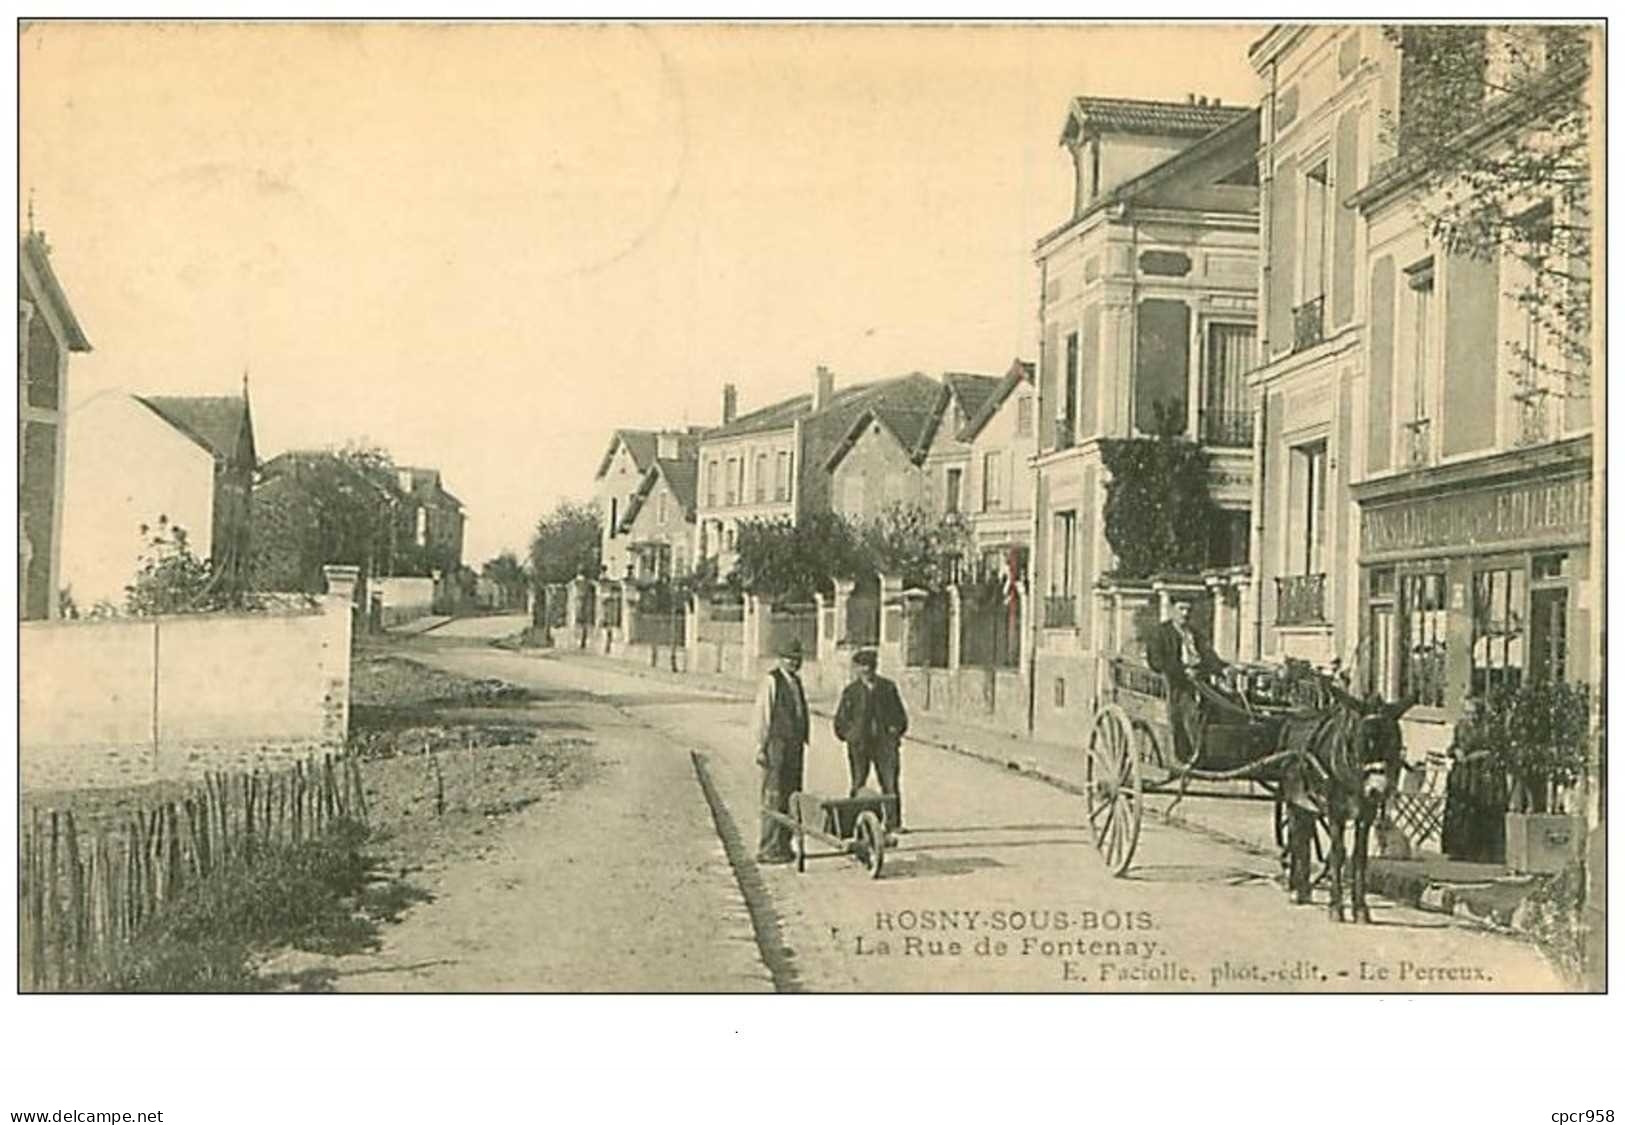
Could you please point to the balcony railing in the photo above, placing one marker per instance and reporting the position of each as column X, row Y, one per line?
column 1308, row 324
column 1419, row 442
column 1300, row 599
column 1060, row 611
column 1233, row 428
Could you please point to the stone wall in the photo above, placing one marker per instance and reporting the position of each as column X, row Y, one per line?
column 126, row 701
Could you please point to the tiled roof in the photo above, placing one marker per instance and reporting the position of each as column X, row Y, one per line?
column 33, row 247
column 1131, row 115
column 908, row 407
column 969, row 390
column 216, row 422
column 914, row 391
column 1021, row 371
column 681, row 476
column 644, row 446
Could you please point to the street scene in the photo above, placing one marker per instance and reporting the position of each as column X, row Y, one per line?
column 548, row 528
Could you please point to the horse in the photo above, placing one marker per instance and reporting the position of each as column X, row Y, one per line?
column 1346, row 758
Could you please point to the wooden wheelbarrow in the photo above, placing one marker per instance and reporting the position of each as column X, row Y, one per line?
column 852, row 826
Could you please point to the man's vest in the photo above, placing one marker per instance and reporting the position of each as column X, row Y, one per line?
column 788, row 724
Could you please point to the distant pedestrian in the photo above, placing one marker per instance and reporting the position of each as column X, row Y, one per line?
column 871, row 720
column 780, row 737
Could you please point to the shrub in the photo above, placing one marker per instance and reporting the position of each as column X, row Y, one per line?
column 1537, row 733
column 1158, row 513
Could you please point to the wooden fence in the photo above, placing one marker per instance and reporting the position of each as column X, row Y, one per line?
column 83, row 892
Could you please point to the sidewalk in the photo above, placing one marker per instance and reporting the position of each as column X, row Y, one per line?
column 1234, row 812
column 419, row 625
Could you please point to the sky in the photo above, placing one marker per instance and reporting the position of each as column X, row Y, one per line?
column 485, row 247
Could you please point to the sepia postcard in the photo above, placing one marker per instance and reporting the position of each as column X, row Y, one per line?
column 864, row 508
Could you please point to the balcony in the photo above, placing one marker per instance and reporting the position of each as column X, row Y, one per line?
column 1308, row 324
column 1228, row 428
column 1060, row 611
column 1418, row 442
column 1300, row 599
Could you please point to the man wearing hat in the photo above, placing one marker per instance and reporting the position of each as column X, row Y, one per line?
column 781, row 742
column 871, row 720
column 1179, row 650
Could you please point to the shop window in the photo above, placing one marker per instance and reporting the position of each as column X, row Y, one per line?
column 1549, row 617
column 1421, row 643
column 1498, row 630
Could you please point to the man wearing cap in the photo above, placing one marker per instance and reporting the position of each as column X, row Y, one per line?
column 1182, row 654
column 781, row 741
column 871, row 720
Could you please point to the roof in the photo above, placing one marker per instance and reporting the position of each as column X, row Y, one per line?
column 1089, row 115
column 427, row 481
column 291, row 462
column 969, row 390
column 1021, row 371
column 37, row 253
column 1242, row 132
column 681, row 477
column 644, row 446
column 914, row 390
column 216, row 422
column 908, row 408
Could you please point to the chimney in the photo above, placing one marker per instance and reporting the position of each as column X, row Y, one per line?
column 1190, row 99
column 666, row 446
column 823, row 387
column 1216, row 103
column 1202, row 101
column 730, row 402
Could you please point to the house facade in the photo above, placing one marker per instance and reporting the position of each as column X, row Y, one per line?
column 658, row 527
column 47, row 333
column 905, row 452
column 621, row 475
column 138, row 461
column 1147, row 326
column 1321, row 134
column 1000, row 440
column 772, row 463
column 1474, row 496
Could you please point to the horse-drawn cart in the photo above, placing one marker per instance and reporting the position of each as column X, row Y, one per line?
column 1132, row 749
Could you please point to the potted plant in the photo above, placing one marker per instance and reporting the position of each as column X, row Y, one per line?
column 1537, row 734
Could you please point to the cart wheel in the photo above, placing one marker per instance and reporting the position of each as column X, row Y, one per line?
column 869, row 841
column 800, row 833
column 1112, row 788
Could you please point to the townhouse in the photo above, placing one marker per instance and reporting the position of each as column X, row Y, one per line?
column 1147, row 314
column 621, row 475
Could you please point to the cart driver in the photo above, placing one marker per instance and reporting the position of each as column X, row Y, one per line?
column 1182, row 654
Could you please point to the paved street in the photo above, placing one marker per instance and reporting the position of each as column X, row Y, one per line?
column 994, row 888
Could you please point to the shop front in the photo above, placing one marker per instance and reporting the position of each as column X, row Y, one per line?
column 1473, row 576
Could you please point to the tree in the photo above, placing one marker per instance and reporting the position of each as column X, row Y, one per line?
column 1494, row 124
column 1158, row 513
column 509, row 574
column 792, row 561
column 567, row 544
column 916, row 544
column 170, row 578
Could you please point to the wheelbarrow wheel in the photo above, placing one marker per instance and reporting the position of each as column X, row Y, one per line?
column 799, row 841
column 869, row 841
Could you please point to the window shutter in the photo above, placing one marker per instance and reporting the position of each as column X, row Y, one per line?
column 1347, row 172
column 1283, row 254
column 1380, row 400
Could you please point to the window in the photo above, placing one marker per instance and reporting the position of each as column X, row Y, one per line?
column 1498, row 630
column 738, row 484
column 614, row 519
column 1419, row 283
column 992, row 486
column 1227, row 419
column 1549, row 617
column 1094, row 169
column 1024, row 416
column 781, row 477
column 761, row 477
column 423, row 524
column 1317, row 198
column 730, row 482
column 1308, row 517
column 1061, row 553
column 711, row 484
column 950, row 490
column 1069, row 408
column 1534, row 388
column 1421, row 640
column 1383, row 667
